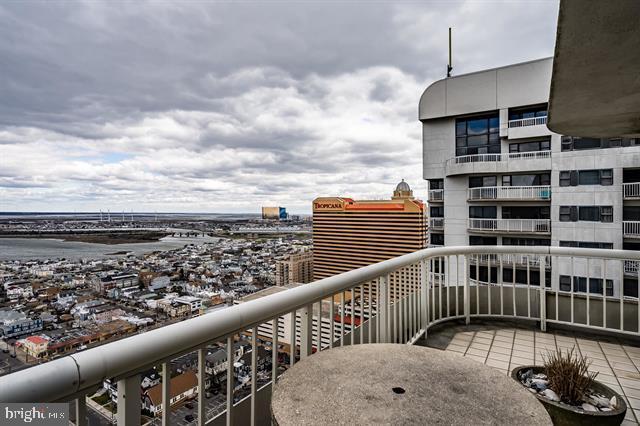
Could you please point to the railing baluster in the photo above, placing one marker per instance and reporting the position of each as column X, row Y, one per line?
column 230, row 379
column 81, row 410
column 353, row 316
column 588, row 291
column 543, row 295
column 370, row 309
column 467, row 290
column 489, row 284
column 424, row 295
column 501, row 284
column 513, row 285
column 166, row 392
column 362, row 320
column 254, row 375
column 477, row 284
column 457, row 284
column 332, row 321
column 202, row 414
column 448, row 284
column 306, row 330
column 292, row 346
column 129, row 401
column 274, row 351
column 318, row 320
column 621, row 295
column 528, row 290
column 342, row 324
column 441, row 272
column 604, row 293
column 383, row 310
column 572, row 287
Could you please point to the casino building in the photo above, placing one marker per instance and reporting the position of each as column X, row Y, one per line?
column 349, row 234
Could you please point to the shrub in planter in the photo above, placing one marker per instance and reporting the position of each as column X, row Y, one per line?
column 570, row 393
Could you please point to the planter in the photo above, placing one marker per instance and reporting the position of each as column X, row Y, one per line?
column 564, row 415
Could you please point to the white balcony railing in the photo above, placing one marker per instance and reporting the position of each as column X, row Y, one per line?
column 503, row 157
column 436, row 223
column 631, row 267
column 542, row 226
column 515, row 193
column 631, row 191
column 631, row 229
column 394, row 301
column 436, row 195
column 524, row 122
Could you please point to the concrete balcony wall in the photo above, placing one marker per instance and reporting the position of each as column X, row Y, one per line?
column 498, row 163
column 528, row 128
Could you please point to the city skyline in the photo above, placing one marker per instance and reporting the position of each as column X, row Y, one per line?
column 155, row 107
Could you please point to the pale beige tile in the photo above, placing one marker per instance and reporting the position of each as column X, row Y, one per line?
column 623, row 366
column 498, row 364
column 626, row 375
column 479, row 359
column 630, row 392
column 631, row 383
column 456, row 348
column 505, row 339
column 480, row 346
column 499, row 344
column 499, row 350
column 499, row 357
column 477, row 352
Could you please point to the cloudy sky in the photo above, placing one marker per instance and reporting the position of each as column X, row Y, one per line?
column 224, row 107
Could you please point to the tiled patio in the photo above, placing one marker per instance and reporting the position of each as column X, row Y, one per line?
column 504, row 348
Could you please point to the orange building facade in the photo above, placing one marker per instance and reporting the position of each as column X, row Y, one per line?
column 349, row 234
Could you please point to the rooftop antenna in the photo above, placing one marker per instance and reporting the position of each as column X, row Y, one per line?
column 449, row 65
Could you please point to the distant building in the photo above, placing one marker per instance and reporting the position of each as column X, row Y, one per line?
column 36, row 346
column 297, row 268
column 278, row 213
column 15, row 323
column 349, row 234
column 105, row 283
column 183, row 386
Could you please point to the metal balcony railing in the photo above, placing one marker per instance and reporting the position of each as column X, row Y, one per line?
column 503, row 157
column 631, row 228
column 514, row 193
column 631, row 267
column 436, row 223
column 395, row 301
column 436, row 195
column 631, row 191
column 536, row 226
column 534, row 121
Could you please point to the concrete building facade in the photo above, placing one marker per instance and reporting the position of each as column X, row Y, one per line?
column 498, row 176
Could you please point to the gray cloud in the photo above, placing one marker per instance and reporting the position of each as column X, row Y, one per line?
column 183, row 106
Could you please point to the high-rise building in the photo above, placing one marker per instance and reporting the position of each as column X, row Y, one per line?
column 277, row 213
column 498, row 176
column 296, row 269
column 349, row 234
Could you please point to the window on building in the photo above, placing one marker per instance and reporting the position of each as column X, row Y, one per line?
column 528, row 212
column 478, row 240
column 542, row 145
column 526, row 179
column 586, row 177
column 528, row 112
column 524, row 276
column 631, row 213
column 483, row 212
column 580, row 285
column 479, row 181
column 437, row 239
column 586, row 244
column 478, row 135
column 437, row 211
column 586, row 213
column 510, row 241
column 436, row 183
column 571, row 143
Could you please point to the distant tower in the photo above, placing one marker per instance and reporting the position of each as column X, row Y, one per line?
column 403, row 191
column 109, row 215
column 100, row 215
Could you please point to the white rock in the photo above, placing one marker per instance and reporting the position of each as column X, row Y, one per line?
column 606, row 409
column 614, row 401
column 550, row 395
column 599, row 401
column 588, row 407
column 541, row 381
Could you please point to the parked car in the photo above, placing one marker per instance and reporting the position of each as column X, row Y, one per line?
column 189, row 417
column 189, row 405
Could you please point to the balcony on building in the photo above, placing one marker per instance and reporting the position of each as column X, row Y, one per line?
column 631, row 229
column 518, row 226
column 436, row 223
column 510, row 193
column 498, row 163
column 527, row 122
column 436, row 195
column 631, row 184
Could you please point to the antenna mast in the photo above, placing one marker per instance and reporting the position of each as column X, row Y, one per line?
column 449, row 65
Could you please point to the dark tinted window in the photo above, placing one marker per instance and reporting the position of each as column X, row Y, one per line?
column 478, row 181
column 527, row 112
column 478, row 240
column 525, row 212
column 437, row 211
column 589, row 213
column 477, row 135
column 437, row 239
column 483, row 212
column 509, row 241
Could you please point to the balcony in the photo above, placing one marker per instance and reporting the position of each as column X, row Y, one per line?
column 510, row 193
column 528, row 128
column 498, row 163
column 631, row 191
column 436, row 195
column 518, row 226
column 395, row 301
column 436, row 223
column 631, row 229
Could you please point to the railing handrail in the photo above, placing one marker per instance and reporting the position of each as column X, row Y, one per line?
column 63, row 378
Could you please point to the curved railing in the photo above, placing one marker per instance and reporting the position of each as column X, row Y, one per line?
column 392, row 301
